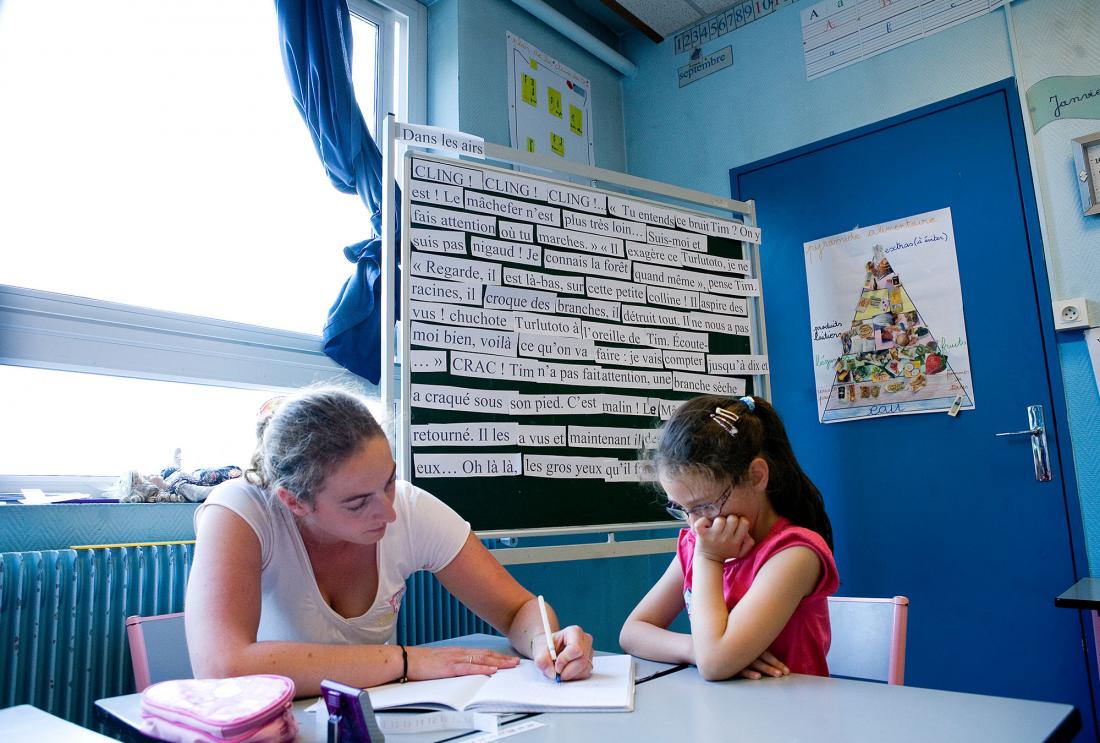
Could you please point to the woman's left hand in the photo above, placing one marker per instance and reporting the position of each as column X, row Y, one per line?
column 574, row 648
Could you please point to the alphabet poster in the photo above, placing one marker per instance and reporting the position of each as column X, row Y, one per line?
column 886, row 320
column 838, row 33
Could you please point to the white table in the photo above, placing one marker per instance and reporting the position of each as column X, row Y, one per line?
column 677, row 705
column 25, row 722
column 682, row 706
column 126, row 709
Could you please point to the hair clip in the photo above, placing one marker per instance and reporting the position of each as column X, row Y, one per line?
column 725, row 419
column 749, row 403
column 269, row 407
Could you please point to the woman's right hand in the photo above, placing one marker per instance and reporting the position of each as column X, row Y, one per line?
column 572, row 645
column 444, row 662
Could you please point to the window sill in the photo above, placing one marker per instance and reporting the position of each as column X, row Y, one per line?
column 67, row 333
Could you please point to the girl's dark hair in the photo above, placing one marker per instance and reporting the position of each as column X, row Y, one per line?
column 693, row 443
column 306, row 436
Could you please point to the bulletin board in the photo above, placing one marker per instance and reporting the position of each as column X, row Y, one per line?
column 551, row 329
column 549, row 105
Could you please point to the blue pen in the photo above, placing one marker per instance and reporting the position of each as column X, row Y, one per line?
column 549, row 639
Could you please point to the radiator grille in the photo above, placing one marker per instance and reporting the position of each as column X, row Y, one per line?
column 430, row 613
column 62, row 614
column 62, row 620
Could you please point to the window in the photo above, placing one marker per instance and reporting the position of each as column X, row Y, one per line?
column 165, row 222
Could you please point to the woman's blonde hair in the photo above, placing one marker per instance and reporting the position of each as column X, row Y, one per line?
column 303, row 437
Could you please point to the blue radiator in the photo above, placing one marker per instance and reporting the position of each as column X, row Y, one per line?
column 63, row 612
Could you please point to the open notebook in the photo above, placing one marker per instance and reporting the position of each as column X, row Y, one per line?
column 519, row 689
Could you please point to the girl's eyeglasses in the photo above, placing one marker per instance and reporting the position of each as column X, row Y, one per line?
column 706, row 510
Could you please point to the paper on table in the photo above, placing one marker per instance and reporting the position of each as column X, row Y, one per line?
column 519, row 689
column 418, row 722
column 36, row 496
column 507, row 732
column 426, row 722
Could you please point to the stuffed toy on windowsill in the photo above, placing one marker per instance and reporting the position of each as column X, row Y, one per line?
column 172, row 485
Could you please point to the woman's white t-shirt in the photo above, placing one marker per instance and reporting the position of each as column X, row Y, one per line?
column 426, row 535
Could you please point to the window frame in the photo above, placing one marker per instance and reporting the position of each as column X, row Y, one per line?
column 404, row 28
column 61, row 332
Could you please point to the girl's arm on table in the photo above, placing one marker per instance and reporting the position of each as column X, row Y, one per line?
column 223, row 614
column 482, row 584
column 645, row 632
column 728, row 642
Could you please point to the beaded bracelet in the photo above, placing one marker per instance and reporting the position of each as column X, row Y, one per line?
column 404, row 665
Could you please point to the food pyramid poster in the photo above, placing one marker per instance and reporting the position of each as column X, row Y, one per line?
column 886, row 320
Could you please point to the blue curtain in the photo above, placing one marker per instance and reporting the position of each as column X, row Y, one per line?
column 315, row 36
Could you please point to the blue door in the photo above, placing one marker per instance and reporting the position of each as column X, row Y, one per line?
column 929, row 506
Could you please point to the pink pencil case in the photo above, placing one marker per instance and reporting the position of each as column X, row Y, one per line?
column 246, row 709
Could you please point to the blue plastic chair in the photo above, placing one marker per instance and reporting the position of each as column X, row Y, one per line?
column 158, row 649
column 868, row 638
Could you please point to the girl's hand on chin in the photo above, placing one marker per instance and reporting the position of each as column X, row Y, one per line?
column 723, row 537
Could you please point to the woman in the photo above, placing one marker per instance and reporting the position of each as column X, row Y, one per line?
column 300, row 570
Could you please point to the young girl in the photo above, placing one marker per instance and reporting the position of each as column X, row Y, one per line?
column 755, row 568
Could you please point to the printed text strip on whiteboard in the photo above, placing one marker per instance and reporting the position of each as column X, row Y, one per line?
column 440, row 139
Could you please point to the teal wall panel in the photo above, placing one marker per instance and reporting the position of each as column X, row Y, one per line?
column 58, row 526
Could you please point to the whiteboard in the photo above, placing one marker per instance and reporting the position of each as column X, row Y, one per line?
column 549, row 329
column 549, row 105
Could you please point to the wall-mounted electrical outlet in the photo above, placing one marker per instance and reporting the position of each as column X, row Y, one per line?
column 1071, row 314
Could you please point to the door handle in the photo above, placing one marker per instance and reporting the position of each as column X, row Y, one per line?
column 1038, row 433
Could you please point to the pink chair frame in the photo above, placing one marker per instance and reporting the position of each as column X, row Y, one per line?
column 899, row 627
column 170, row 652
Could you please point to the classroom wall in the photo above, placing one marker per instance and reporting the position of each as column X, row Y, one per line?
column 468, row 72
column 1062, row 37
column 763, row 105
column 468, row 90
column 443, row 65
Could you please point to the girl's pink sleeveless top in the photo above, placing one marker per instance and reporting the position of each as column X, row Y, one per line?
column 803, row 643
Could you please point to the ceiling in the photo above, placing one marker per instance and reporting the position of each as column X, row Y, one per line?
column 656, row 19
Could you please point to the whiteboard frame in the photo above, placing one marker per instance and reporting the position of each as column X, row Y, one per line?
column 497, row 155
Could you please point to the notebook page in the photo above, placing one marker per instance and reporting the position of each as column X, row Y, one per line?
column 525, row 689
column 448, row 693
